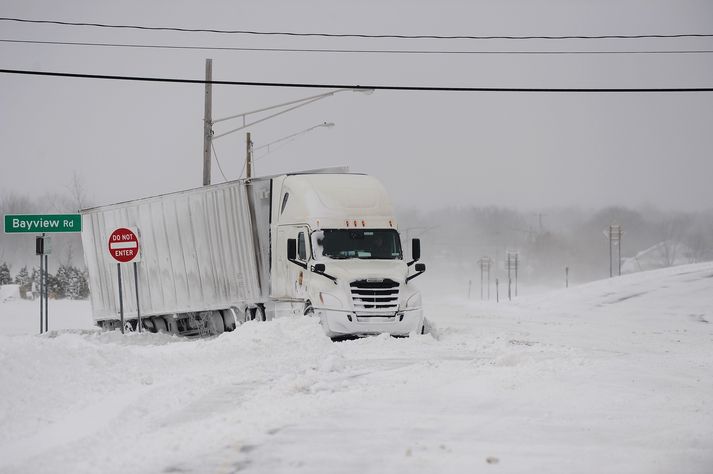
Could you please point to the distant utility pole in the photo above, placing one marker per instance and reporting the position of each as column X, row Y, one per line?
column 614, row 234
column 207, row 122
column 248, row 156
column 485, row 263
column 512, row 264
column 566, row 277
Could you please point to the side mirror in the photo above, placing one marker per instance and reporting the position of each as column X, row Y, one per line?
column 420, row 267
column 291, row 249
column 319, row 268
column 415, row 249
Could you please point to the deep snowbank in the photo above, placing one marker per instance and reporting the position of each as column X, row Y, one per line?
column 613, row 376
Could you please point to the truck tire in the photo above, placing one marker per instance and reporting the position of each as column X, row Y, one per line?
column 160, row 324
column 260, row 313
column 215, row 323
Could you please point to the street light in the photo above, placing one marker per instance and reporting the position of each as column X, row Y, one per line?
column 250, row 161
column 209, row 135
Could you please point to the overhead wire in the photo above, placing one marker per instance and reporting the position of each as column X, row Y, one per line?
column 361, row 87
column 353, row 35
column 347, row 51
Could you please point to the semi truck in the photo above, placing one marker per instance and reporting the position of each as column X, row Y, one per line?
column 323, row 243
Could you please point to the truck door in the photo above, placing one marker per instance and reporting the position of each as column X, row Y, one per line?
column 288, row 281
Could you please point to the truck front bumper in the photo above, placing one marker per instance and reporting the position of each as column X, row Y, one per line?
column 340, row 323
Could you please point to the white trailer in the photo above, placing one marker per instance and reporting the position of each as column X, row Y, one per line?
column 323, row 243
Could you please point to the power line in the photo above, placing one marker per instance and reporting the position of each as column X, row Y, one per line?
column 360, row 87
column 354, row 35
column 361, row 51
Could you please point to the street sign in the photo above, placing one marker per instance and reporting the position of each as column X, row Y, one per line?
column 124, row 245
column 42, row 223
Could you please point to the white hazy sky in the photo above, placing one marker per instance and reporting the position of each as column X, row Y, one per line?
column 129, row 140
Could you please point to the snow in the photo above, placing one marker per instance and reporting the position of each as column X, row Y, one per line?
column 612, row 376
column 9, row 292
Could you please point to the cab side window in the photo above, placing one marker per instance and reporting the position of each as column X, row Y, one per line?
column 301, row 247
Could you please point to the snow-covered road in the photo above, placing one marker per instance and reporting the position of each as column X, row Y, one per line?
column 614, row 376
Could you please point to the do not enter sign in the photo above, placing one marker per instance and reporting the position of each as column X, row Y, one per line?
column 124, row 245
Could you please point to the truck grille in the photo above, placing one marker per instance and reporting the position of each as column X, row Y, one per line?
column 376, row 296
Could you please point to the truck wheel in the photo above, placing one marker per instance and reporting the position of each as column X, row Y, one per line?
column 149, row 324
column 230, row 320
column 160, row 324
column 215, row 320
column 260, row 313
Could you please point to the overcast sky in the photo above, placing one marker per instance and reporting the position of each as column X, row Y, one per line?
column 128, row 140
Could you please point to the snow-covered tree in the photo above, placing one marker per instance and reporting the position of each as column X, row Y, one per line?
column 73, row 285
column 5, row 278
column 23, row 279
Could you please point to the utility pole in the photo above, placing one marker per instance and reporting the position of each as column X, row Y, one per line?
column 512, row 264
column 614, row 233
column 485, row 263
column 248, row 156
column 566, row 277
column 207, row 122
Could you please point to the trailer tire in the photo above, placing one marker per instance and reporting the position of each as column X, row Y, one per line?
column 260, row 313
column 160, row 324
column 230, row 321
column 149, row 324
column 216, row 324
column 309, row 310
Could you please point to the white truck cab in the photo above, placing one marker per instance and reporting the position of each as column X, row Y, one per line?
column 337, row 254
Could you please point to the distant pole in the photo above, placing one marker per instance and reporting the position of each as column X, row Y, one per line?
column 207, row 123
column 620, row 235
column 566, row 277
column 470, row 283
column 611, row 270
column 248, row 156
column 482, row 274
column 516, row 263
column 497, row 291
column 509, row 279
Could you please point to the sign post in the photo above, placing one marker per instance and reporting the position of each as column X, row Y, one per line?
column 36, row 224
column 124, row 248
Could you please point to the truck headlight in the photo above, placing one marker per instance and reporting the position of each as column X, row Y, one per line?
column 414, row 301
column 329, row 300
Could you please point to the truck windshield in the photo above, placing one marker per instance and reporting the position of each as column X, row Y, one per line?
column 361, row 243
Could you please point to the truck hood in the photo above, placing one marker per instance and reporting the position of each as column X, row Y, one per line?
column 354, row 268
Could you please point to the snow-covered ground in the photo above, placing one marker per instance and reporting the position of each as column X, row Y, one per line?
column 614, row 376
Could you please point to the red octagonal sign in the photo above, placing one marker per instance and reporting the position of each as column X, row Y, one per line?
column 124, row 245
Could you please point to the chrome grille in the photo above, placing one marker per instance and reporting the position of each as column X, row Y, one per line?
column 375, row 296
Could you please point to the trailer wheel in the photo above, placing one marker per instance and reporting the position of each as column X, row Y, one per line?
column 260, row 314
column 130, row 326
column 160, row 324
column 215, row 321
column 149, row 324
column 230, row 320
column 309, row 310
